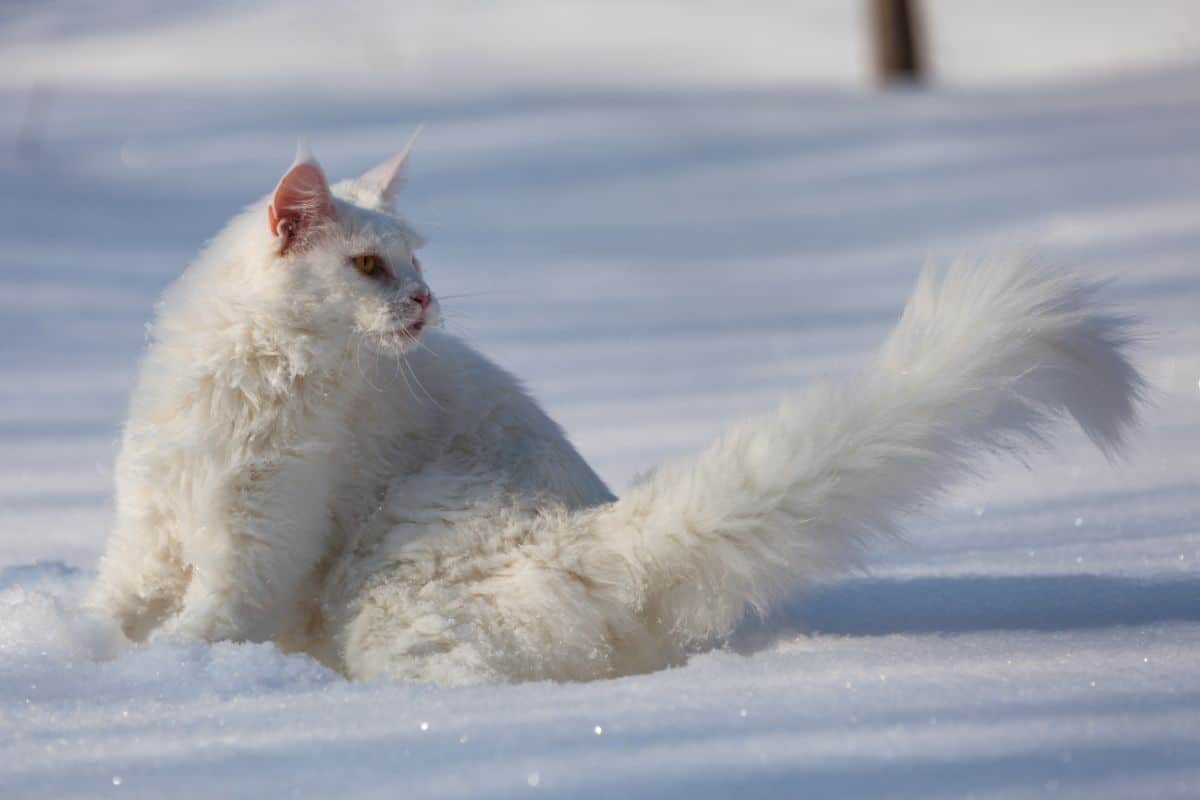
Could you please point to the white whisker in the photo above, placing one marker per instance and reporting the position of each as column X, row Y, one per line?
column 413, row 372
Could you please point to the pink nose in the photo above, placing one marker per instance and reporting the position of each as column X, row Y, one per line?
column 422, row 297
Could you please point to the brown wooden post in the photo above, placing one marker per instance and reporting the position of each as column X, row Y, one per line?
column 896, row 30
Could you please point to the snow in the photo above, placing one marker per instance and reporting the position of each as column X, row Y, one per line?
column 658, row 242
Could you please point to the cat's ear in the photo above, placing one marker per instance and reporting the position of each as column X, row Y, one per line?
column 301, row 202
column 385, row 180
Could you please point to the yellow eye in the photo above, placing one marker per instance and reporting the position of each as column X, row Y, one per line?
column 366, row 264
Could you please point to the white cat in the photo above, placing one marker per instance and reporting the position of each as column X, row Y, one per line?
column 307, row 460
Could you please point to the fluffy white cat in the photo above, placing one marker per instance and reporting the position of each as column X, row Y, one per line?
column 308, row 460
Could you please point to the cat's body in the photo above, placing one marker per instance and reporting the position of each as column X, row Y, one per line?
column 298, row 467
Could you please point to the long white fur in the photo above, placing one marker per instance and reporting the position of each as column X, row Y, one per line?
column 406, row 510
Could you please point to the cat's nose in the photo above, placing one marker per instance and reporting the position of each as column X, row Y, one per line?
column 421, row 297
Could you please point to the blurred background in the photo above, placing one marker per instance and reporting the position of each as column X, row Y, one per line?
column 662, row 214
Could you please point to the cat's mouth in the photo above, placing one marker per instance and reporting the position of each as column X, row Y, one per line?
column 402, row 331
column 412, row 329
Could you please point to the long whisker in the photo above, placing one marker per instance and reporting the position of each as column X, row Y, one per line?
column 404, row 375
column 419, row 342
column 467, row 294
column 413, row 372
column 361, row 340
column 456, row 324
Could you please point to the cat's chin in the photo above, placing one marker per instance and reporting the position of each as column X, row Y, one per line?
column 397, row 341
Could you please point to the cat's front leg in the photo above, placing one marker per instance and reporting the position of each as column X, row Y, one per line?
column 252, row 561
column 141, row 580
column 142, row 576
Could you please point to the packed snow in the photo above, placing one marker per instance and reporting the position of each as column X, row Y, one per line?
column 659, row 240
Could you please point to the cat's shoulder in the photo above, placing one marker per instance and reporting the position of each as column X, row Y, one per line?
column 458, row 359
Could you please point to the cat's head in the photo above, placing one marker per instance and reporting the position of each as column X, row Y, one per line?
column 344, row 256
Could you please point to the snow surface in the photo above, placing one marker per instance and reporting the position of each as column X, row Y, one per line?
column 659, row 239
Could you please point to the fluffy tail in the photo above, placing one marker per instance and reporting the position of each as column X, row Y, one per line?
column 983, row 359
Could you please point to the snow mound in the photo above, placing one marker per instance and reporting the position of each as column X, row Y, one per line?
column 50, row 648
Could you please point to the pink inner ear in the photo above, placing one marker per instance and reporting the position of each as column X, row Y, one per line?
column 301, row 201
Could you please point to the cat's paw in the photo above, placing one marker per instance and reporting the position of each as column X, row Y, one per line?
column 206, row 624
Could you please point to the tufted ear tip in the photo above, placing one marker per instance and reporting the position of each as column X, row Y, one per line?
column 304, row 153
column 385, row 180
column 302, row 200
